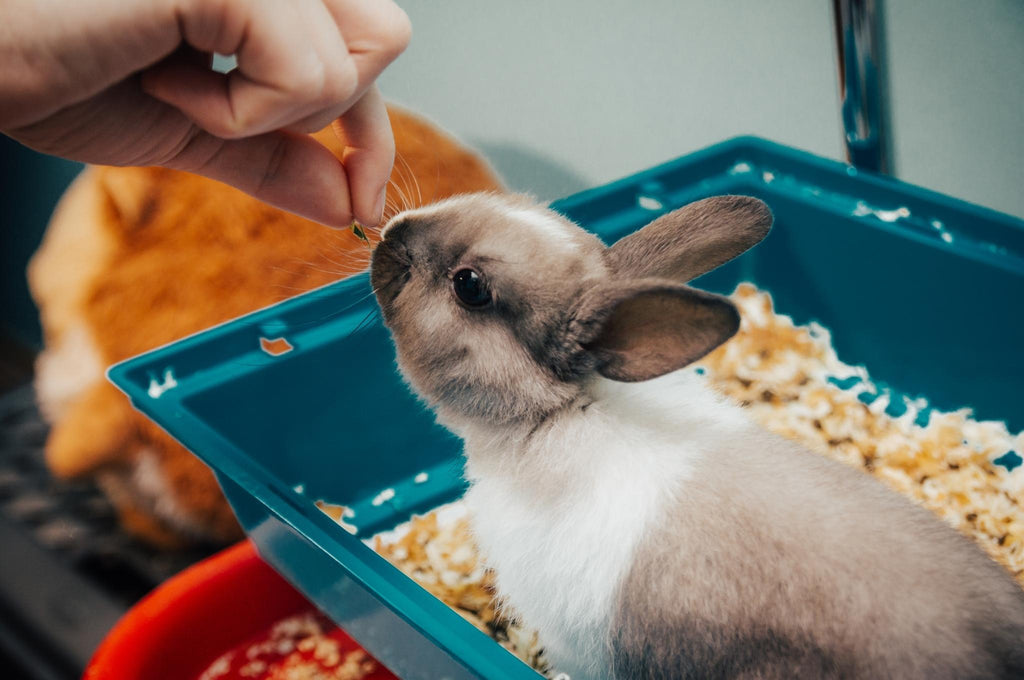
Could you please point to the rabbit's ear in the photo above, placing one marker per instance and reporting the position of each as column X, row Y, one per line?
column 692, row 240
column 638, row 330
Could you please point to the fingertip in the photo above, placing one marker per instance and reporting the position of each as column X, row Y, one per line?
column 369, row 154
column 373, row 216
column 378, row 209
column 367, row 184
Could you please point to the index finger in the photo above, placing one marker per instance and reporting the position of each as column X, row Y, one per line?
column 365, row 130
column 375, row 32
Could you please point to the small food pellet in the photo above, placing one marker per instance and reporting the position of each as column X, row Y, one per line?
column 306, row 646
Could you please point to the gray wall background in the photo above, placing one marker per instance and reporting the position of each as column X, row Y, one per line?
column 567, row 94
column 563, row 95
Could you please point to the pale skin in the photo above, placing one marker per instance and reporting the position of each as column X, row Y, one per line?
column 127, row 82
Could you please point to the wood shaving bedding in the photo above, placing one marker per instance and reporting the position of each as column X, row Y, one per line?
column 784, row 375
column 437, row 551
column 301, row 647
column 781, row 372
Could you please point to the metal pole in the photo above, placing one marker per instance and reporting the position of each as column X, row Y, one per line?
column 863, row 85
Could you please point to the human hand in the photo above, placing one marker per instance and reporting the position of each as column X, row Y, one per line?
column 127, row 82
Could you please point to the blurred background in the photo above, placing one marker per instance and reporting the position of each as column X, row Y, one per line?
column 563, row 96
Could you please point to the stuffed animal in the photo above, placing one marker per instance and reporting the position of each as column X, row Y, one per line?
column 134, row 258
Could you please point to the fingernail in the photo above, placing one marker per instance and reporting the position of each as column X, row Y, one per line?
column 378, row 208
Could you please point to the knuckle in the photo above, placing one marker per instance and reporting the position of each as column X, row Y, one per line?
column 325, row 84
column 340, row 84
column 212, row 24
column 310, row 81
column 399, row 32
column 390, row 32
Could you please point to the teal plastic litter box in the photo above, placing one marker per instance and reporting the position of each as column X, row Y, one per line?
column 924, row 290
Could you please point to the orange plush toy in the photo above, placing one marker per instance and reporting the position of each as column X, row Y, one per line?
column 135, row 258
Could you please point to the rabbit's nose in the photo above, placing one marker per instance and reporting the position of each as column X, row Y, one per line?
column 389, row 272
column 394, row 227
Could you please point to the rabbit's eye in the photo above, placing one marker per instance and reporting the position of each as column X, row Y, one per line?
column 470, row 288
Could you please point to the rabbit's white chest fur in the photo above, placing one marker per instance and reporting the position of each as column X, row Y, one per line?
column 559, row 514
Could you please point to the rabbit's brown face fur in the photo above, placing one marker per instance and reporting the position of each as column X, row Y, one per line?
column 505, row 360
column 556, row 305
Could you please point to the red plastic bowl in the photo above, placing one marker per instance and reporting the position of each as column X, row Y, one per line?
column 184, row 625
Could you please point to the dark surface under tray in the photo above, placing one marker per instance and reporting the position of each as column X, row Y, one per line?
column 67, row 570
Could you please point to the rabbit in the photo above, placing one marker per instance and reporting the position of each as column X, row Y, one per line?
column 640, row 522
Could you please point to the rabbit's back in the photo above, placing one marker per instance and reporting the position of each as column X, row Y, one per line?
column 780, row 563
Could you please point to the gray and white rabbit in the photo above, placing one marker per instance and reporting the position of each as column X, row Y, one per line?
column 645, row 526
